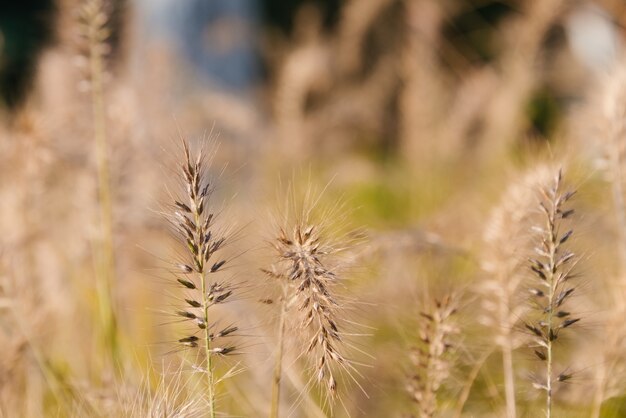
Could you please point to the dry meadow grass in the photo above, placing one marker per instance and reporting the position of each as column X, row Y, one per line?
column 423, row 259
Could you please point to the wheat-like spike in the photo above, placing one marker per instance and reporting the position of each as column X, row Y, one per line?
column 194, row 222
column 552, row 266
column 312, row 297
column 306, row 265
column 432, row 357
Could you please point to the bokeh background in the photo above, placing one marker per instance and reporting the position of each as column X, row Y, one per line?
column 416, row 114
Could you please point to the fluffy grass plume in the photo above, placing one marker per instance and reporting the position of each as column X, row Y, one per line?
column 308, row 267
column 611, row 121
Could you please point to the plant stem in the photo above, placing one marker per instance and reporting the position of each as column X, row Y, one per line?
column 274, row 409
column 207, row 346
column 105, row 270
column 618, row 201
column 507, row 355
column 467, row 387
column 207, row 332
column 599, row 395
column 551, row 288
column 509, row 379
column 549, row 380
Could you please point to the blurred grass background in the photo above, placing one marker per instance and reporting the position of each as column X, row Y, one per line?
column 417, row 113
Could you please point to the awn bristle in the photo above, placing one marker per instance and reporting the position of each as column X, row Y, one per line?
column 168, row 397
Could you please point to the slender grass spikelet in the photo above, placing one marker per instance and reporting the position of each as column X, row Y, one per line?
column 552, row 266
column 194, row 222
column 432, row 358
column 307, row 267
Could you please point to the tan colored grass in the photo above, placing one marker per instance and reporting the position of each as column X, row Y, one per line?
column 307, row 268
column 171, row 395
column 552, row 265
column 609, row 113
column 194, row 221
column 93, row 24
column 432, row 358
column 506, row 239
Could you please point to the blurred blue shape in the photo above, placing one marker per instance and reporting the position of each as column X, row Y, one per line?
column 218, row 37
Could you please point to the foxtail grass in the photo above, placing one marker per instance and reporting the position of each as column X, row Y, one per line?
column 552, row 268
column 93, row 24
column 194, row 222
column 432, row 358
column 307, row 270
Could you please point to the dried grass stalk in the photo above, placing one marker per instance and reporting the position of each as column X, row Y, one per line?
column 611, row 372
column 553, row 269
column 195, row 224
column 169, row 397
column 432, row 358
column 307, row 268
column 506, row 240
column 93, row 24
column 613, row 134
